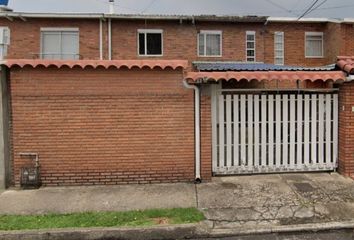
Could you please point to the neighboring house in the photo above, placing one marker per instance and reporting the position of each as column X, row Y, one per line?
column 105, row 99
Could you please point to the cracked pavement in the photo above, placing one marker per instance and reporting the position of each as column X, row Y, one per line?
column 277, row 200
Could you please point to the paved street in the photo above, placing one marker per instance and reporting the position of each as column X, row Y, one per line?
column 333, row 235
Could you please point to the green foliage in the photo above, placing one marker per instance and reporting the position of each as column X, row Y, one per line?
column 100, row 219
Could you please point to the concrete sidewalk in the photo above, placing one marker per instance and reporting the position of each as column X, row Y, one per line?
column 97, row 198
column 232, row 205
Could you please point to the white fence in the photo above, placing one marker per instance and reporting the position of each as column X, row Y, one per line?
column 255, row 133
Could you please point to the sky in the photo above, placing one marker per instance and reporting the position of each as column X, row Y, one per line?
column 275, row 8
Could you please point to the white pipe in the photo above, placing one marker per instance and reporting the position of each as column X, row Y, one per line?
column 197, row 128
column 109, row 39
column 101, row 40
column 111, row 6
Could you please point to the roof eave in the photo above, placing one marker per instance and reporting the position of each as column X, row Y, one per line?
column 303, row 20
column 216, row 18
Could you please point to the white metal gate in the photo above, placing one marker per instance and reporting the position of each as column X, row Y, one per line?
column 274, row 132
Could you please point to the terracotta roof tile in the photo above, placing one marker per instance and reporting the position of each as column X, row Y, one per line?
column 163, row 64
column 346, row 63
column 267, row 75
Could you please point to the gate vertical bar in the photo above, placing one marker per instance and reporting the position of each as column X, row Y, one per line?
column 307, row 130
column 221, row 132
column 292, row 132
column 278, row 131
column 328, row 128
column 250, row 131
column 313, row 129
column 271, row 130
column 264, row 131
column 300, row 142
column 320, row 129
column 228, row 131
column 335, row 129
column 285, row 131
column 256, row 130
column 236, row 131
column 243, row 130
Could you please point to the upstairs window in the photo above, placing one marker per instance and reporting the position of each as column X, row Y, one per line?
column 250, row 46
column 209, row 43
column 314, row 44
column 279, row 48
column 59, row 43
column 150, row 42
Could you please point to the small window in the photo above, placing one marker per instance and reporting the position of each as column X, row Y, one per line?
column 209, row 43
column 150, row 42
column 59, row 43
column 250, row 46
column 279, row 48
column 314, row 44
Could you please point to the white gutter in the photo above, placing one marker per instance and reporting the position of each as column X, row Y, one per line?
column 109, row 39
column 101, row 40
column 197, row 128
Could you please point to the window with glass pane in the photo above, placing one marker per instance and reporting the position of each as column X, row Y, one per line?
column 60, row 44
column 209, row 44
column 250, row 46
column 279, row 48
column 150, row 42
column 314, row 44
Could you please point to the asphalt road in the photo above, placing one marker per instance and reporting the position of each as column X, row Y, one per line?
column 326, row 235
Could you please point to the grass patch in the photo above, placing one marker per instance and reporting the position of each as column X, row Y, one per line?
column 101, row 219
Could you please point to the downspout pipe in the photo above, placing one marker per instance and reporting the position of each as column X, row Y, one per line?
column 101, row 39
column 197, row 128
column 109, row 39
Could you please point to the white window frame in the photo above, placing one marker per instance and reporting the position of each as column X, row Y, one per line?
column 57, row 29
column 254, row 49
column 282, row 49
column 322, row 40
column 146, row 31
column 212, row 32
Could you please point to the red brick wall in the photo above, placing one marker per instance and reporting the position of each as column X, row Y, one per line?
column 25, row 36
column 347, row 37
column 206, row 140
column 180, row 40
column 346, row 129
column 104, row 126
column 294, row 43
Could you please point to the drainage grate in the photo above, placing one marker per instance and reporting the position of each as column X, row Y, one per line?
column 304, row 187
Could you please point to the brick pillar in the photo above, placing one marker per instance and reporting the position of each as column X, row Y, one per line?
column 346, row 129
column 206, row 143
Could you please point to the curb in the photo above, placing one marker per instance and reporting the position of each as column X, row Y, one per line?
column 299, row 228
column 184, row 231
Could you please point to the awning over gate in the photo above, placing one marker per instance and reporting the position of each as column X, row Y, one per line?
column 198, row 77
column 152, row 64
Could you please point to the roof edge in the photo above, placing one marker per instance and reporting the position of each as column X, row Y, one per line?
column 303, row 20
column 226, row 18
column 151, row 64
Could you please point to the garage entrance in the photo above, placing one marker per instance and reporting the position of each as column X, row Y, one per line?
column 282, row 131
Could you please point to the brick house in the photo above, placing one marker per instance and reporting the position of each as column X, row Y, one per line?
column 118, row 99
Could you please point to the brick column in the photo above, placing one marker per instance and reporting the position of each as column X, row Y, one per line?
column 346, row 129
